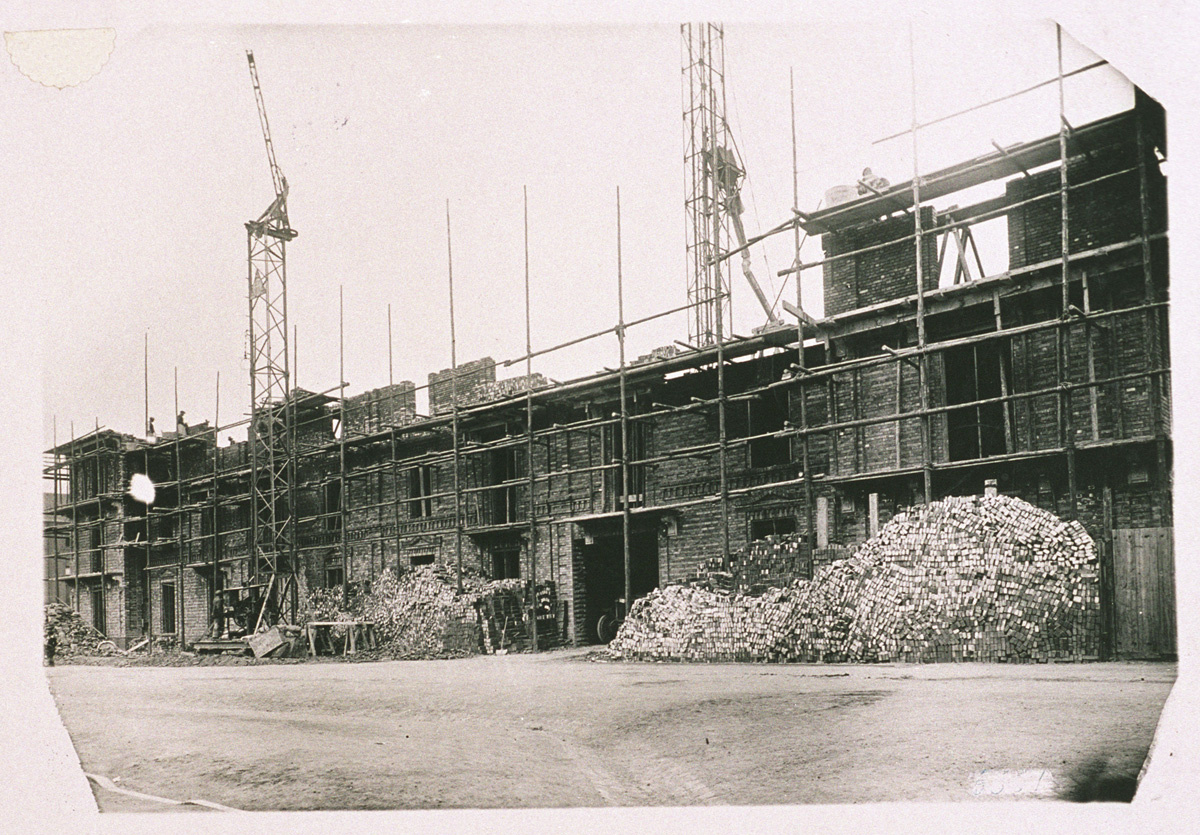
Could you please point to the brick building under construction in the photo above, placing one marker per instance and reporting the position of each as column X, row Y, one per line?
column 1050, row 377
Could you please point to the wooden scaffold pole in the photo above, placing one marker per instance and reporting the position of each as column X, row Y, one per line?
column 922, row 355
column 625, row 513
column 458, row 526
column 802, row 389
column 342, row 449
column 532, row 534
column 1066, row 424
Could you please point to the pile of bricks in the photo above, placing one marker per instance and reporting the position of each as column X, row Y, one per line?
column 964, row 579
column 774, row 561
column 421, row 614
column 664, row 352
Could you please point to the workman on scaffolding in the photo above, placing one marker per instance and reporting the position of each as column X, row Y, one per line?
column 872, row 183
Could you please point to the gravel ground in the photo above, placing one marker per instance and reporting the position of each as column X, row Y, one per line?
column 566, row 729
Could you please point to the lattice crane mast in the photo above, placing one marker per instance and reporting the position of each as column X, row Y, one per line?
column 714, row 176
column 272, row 424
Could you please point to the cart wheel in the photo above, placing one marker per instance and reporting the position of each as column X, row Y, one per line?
column 606, row 627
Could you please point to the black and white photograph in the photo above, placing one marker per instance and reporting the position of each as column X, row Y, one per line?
column 710, row 415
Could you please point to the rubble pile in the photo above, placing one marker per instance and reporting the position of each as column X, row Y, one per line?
column 964, row 579
column 72, row 635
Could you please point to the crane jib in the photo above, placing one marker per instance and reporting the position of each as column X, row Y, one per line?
column 277, row 179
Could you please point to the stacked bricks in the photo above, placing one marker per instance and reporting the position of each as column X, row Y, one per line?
column 882, row 274
column 73, row 635
column 963, row 579
column 664, row 352
column 508, row 387
column 774, row 561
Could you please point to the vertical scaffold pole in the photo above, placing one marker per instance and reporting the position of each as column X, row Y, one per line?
column 716, row 129
column 56, row 486
column 100, row 539
column 146, row 384
column 802, row 389
column 73, row 486
column 1066, row 426
column 180, row 606
column 625, row 518
column 922, row 356
column 1156, row 343
column 342, row 449
column 533, row 631
column 216, row 530
column 458, row 526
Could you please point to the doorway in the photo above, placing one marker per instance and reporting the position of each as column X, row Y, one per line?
column 604, row 572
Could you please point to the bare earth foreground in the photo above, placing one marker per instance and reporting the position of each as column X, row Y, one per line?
column 557, row 730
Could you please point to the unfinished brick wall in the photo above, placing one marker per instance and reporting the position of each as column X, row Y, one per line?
column 571, row 493
column 472, row 377
column 1100, row 213
column 871, row 392
column 882, row 274
column 1117, row 410
column 377, row 409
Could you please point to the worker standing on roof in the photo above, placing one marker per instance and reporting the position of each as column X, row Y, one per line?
column 871, row 183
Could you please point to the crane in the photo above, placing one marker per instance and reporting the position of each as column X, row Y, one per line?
column 713, row 198
column 274, row 221
column 271, row 436
column 728, row 174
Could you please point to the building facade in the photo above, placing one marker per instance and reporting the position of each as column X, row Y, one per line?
column 1049, row 376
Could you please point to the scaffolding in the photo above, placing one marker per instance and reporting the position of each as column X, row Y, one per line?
column 455, row 472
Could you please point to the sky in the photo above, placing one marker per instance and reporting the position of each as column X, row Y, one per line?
column 128, row 201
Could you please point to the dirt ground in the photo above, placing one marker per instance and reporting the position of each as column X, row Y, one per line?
column 558, row 729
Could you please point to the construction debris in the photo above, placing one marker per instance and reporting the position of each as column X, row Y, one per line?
column 264, row 643
column 964, row 579
column 73, row 636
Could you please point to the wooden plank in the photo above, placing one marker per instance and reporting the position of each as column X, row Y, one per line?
column 1144, row 593
column 1166, row 571
column 982, row 169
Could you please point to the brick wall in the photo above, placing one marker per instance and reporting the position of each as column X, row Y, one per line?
column 377, row 409
column 1119, row 346
column 869, row 393
column 471, row 378
column 195, row 605
column 882, row 274
column 1100, row 213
